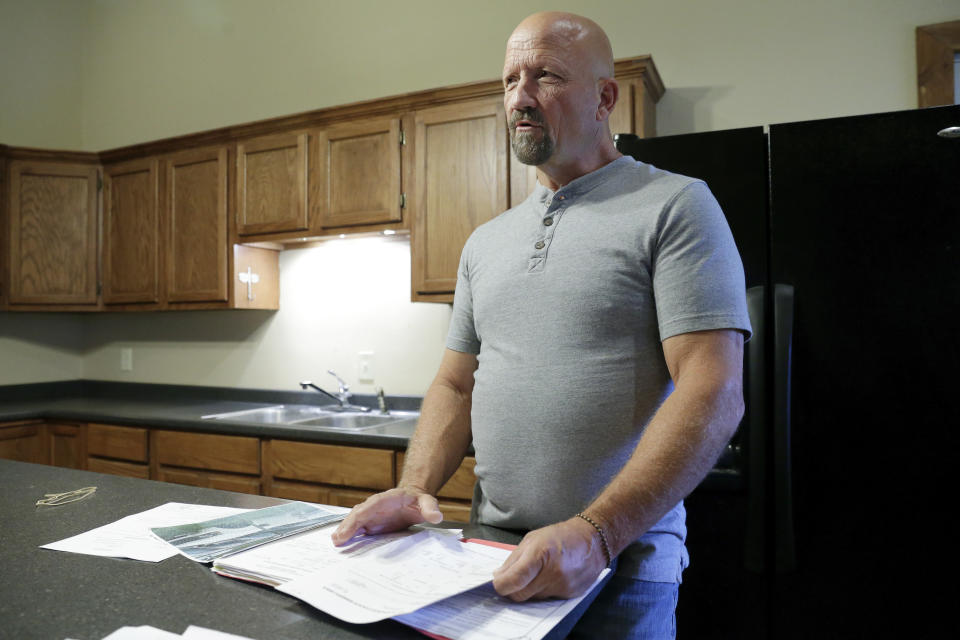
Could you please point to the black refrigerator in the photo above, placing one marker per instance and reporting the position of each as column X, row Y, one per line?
column 835, row 519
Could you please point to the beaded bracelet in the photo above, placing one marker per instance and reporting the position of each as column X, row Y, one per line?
column 603, row 537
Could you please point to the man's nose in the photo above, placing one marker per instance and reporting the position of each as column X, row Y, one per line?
column 523, row 96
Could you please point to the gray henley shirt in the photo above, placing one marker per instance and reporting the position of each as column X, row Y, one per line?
column 565, row 300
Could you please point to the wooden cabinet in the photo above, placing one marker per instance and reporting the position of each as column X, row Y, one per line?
column 636, row 108
column 329, row 474
column 117, row 450
column 131, row 232
column 456, row 495
column 231, row 463
column 195, row 204
column 272, row 184
column 52, row 217
column 24, row 441
column 56, row 443
column 355, row 174
column 66, row 445
column 460, row 181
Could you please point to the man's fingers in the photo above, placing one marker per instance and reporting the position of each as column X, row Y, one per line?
column 348, row 528
column 515, row 577
column 388, row 511
column 429, row 508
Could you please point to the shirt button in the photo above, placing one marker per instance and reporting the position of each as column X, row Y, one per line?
column 562, row 197
column 539, row 245
column 547, row 222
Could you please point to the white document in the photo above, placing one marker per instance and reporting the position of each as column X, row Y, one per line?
column 146, row 632
column 200, row 633
column 130, row 537
column 143, row 632
column 375, row 579
column 480, row 614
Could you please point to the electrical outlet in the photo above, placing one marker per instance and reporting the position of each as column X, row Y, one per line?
column 365, row 367
column 126, row 359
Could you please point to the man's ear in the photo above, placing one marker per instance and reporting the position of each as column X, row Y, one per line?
column 609, row 92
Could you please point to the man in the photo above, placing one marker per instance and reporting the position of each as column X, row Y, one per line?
column 594, row 357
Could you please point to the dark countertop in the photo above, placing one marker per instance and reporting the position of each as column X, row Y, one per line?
column 182, row 407
column 54, row 595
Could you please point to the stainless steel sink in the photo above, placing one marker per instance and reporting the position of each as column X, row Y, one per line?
column 348, row 421
column 313, row 417
column 280, row 414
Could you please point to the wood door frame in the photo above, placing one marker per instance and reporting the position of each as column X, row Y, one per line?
column 937, row 44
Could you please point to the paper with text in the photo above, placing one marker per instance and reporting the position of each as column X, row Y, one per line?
column 130, row 537
column 410, row 571
column 481, row 614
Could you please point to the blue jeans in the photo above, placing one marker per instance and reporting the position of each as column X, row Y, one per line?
column 633, row 609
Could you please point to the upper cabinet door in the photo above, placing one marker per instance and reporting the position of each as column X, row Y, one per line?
column 272, row 184
column 460, row 182
column 196, row 211
column 131, row 232
column 355, row 174
column 635, row 111
column 53, row 233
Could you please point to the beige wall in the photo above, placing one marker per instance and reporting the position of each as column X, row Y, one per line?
column 338, row 299
column 160, row 68
column 98, row 74
column 41, row 49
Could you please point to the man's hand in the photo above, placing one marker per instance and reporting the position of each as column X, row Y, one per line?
column 561, row 560
column 391, row 510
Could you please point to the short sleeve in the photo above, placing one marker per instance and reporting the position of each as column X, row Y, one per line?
column 697, row 272
column 462, row 335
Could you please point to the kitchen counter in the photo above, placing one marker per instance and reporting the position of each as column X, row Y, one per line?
column 53, row 594
column 182, row 407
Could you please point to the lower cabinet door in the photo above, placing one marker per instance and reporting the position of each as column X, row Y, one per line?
column 23, row 442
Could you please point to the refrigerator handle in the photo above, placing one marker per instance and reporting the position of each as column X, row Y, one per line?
column 770, row 543
column 755, row 396
column 783, row 539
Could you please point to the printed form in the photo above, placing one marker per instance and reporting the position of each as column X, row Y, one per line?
column 403, row 576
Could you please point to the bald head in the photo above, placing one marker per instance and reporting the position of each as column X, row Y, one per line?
column 559, row 91
column 578, row 35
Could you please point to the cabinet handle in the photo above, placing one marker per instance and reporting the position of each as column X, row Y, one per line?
column 249, row 278
column 949, row 132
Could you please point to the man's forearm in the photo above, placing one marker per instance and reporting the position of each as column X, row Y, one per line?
column 441, row 439
column 678, row 448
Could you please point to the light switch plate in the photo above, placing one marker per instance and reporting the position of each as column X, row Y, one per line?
column 365, row 367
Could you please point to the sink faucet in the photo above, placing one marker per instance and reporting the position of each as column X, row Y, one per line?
column 342, row 397
column 382, row 402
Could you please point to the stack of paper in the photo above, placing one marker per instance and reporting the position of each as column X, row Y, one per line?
column 429, row 579
column 211, row 539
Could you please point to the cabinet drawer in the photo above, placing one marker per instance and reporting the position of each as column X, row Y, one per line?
column 332, row 464
column 221, row 481
column 455, row 511
column 119, row 468
column 238, row 454
column 320, row 494
column 460, row 484
column 123, row 443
